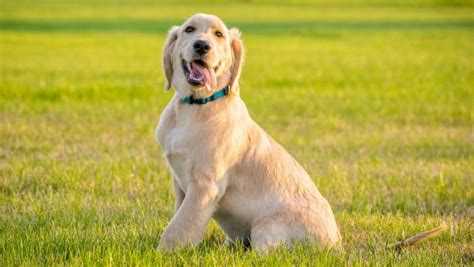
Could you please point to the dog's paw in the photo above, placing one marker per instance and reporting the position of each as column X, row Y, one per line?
column 166, row 243
column 172, row 241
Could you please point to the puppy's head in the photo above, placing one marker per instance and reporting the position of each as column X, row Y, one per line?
column 202, row 56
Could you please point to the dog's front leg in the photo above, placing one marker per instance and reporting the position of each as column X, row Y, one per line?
column 178, row 195
column 190, row 221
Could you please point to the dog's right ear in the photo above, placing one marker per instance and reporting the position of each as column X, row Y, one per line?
column 167, row 55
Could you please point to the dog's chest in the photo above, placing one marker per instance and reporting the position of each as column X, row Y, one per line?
column 177, row 156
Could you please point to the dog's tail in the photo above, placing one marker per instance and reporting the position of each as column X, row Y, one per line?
column 419, row 237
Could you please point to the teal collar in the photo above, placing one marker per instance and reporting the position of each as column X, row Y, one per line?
column 201, row 101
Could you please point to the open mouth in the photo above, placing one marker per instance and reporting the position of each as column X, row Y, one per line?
column 198, row 73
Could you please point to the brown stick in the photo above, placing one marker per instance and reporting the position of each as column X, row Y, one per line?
column 419, row 237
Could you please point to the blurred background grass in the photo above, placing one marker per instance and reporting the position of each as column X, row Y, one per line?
column 374, row 98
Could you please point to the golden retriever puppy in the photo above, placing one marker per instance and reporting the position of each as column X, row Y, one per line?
column 224, row 165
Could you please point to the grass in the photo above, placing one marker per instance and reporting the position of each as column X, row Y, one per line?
column 375, row 99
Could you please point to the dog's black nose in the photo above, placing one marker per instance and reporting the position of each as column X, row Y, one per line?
column 201, row 47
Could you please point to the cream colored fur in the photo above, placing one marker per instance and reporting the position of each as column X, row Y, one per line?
column 224, row 165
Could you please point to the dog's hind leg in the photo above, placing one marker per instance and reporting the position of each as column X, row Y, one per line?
column 269, row 233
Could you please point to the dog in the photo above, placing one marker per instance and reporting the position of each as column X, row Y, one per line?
column 224, row 166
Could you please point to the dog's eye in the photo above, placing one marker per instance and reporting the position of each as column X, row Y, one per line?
column 189, row 29
column 219, row 34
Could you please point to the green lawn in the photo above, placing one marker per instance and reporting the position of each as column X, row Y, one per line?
column 374, row 98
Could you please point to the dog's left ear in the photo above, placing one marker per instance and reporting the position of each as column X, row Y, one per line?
column 238, row 52
column 167, row 55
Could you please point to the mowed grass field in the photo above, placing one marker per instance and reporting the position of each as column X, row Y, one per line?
column 375, row 99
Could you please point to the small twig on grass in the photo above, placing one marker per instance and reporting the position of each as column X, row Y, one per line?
column 419, row 237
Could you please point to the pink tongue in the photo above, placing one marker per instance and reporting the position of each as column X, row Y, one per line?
column 198, row 72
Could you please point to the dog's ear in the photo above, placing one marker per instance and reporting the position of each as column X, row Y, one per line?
column 238, row 52
column 167, row 55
